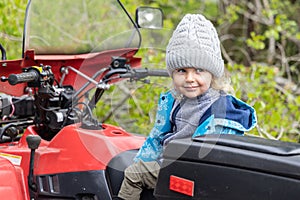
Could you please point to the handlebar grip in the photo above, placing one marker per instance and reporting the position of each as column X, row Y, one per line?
column 14, row 79
column 158, row 72
column 144, row 72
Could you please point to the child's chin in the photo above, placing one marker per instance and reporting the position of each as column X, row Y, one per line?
column 191, row 95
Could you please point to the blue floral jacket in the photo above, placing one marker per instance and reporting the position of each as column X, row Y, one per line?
column 228, row 115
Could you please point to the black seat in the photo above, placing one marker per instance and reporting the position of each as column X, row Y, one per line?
column 115, row 173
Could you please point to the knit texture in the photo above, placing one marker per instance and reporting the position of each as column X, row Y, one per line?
column 190, row 112
column 195, row 43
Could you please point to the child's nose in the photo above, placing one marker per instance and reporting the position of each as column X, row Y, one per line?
column 189, row 77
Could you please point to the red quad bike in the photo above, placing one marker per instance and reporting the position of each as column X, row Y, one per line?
column 52, row 147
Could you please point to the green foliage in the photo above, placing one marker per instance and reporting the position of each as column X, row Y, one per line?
column 231, row 16
column 260, row 46
column 11, row 26
column 256, row 41
column 276, row 107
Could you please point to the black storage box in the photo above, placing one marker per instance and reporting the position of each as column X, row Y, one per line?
column 230, row 167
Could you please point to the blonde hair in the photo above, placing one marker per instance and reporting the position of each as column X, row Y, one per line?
column 223, row 83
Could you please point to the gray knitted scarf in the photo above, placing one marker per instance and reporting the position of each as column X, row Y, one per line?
column 189, row 114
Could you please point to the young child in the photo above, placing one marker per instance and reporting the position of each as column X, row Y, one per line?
column 199, row 103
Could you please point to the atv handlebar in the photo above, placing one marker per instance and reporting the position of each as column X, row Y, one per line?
column 157, row 72
column 61, row 100
column 143, row 73
column 24, row 77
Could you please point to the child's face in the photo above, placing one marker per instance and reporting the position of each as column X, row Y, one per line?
column 191, row 82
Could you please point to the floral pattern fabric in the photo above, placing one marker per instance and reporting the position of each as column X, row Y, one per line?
column 152, row 148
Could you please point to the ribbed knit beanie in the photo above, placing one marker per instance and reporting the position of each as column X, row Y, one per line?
column 195, row 43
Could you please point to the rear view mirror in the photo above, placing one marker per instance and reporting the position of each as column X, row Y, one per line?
column 148, row 17
column 3, row 52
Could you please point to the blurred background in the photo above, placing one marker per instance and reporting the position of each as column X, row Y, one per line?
column 260, row 45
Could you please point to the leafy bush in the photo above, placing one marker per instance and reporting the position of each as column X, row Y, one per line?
column 11, row 29
column 260, row 44
column 276, row 107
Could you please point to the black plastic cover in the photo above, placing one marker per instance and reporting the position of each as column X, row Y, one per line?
column 115, row 173
column 232, row 167
column 74, row 185
column 253, row 144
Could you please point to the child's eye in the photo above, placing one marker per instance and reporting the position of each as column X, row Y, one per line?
column 181, row 70
column 199, row 70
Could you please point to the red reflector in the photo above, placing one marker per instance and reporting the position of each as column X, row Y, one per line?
column 181, row 185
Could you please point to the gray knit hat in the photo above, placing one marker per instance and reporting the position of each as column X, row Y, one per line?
column 195, row 43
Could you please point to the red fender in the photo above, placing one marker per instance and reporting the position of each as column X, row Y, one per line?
column 9, row 181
